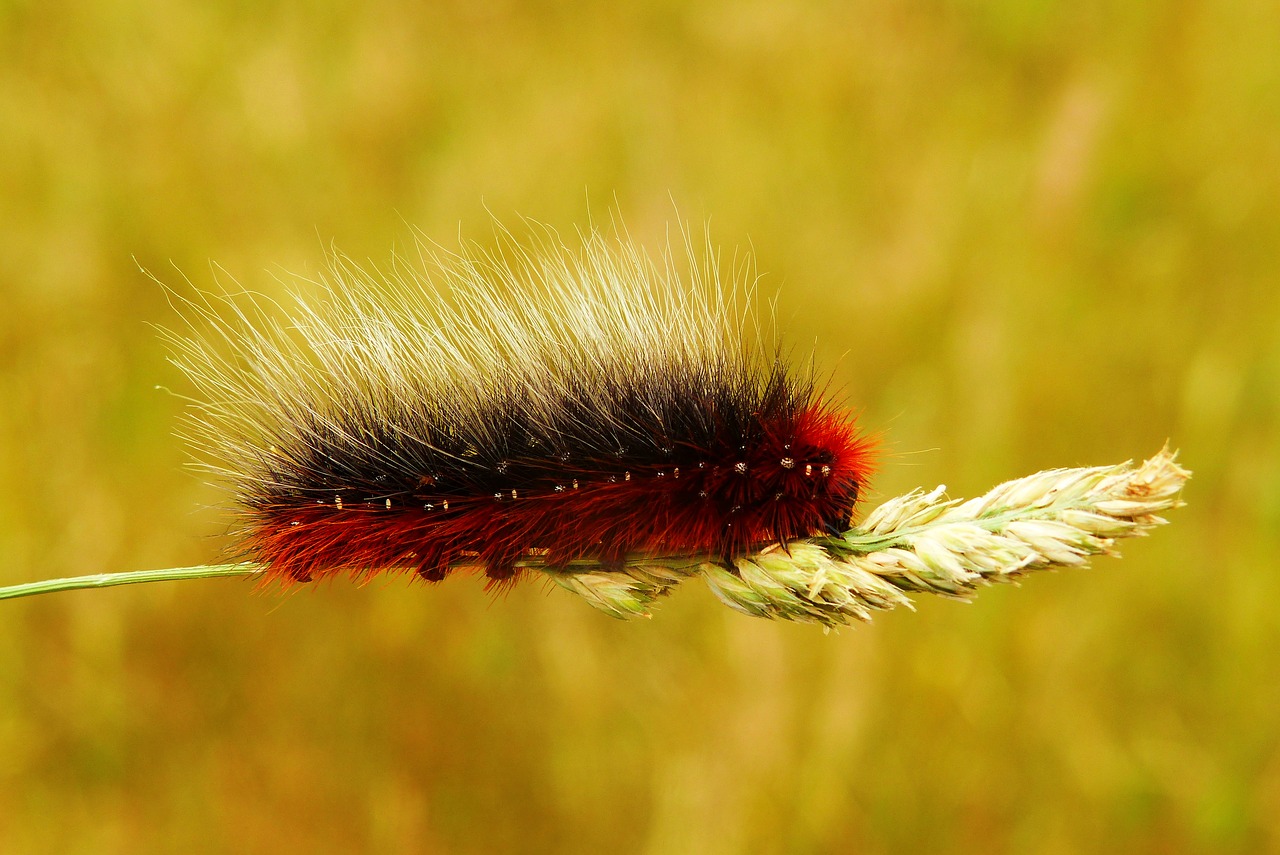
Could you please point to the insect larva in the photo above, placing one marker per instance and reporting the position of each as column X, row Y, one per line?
column 536, row 399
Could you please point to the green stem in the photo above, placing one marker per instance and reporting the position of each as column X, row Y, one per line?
column 134, row 577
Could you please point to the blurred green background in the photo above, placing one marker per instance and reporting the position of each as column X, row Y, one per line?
column 1023, row 234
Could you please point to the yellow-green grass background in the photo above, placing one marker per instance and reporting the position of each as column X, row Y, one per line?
column 1021, row 234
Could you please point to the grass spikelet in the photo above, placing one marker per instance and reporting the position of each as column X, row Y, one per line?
column 923, row 543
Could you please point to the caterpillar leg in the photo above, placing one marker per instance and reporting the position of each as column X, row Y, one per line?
column 434, row 565
column 500, row 569
column 839, row 522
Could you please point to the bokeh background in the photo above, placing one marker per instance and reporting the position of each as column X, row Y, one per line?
column 1021, row 234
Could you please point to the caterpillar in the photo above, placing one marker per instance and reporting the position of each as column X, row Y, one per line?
column 476, row 407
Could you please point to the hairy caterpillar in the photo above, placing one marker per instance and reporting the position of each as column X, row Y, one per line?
column 537, row 399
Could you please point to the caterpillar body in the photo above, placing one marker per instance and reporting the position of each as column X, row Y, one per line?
column 536, row 399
